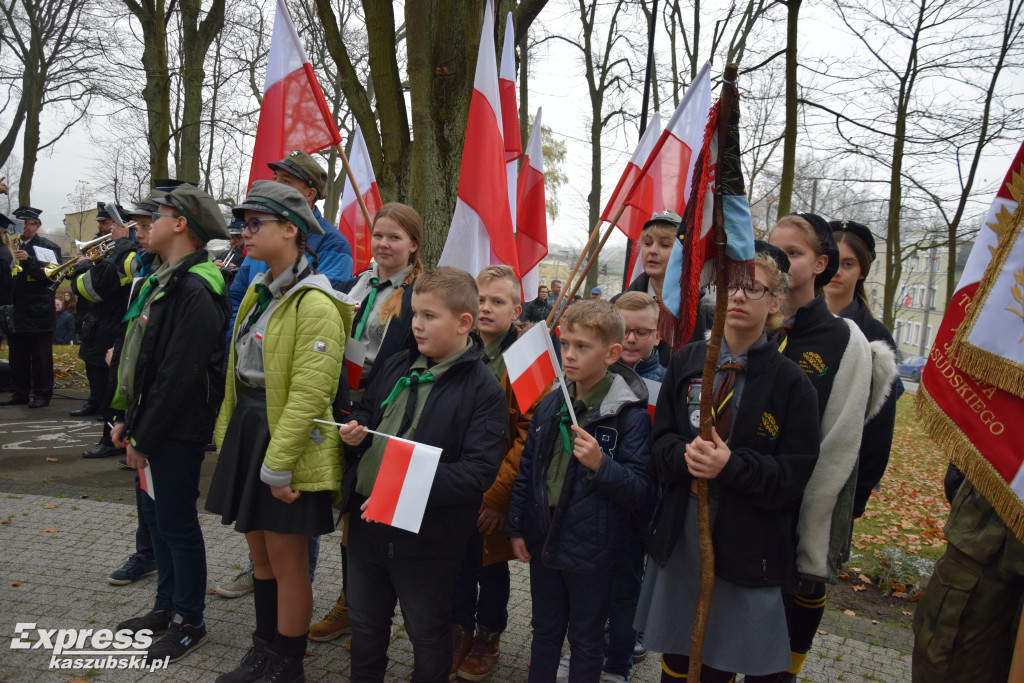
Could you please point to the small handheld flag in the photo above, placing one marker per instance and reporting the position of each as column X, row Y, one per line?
column 531, row 365
column 399, row 496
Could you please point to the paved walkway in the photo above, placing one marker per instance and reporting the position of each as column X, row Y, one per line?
column 60, row 549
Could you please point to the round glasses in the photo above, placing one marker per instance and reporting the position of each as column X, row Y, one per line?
column 254, row 224
column 753, row 292
column 640, row 333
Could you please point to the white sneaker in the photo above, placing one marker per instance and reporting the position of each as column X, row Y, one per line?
column 241, row 585
column 612, row 678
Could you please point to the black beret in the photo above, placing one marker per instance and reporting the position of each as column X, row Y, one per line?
column 774, row 253
column 829, row 246
column 857, row 229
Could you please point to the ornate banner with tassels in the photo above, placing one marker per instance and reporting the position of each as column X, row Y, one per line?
column 966, row 404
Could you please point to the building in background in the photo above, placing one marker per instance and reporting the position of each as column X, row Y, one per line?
column 560, row 260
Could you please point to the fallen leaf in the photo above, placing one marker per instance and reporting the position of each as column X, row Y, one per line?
column 5, row 521
column 84, row 495
column 858, row 588
column 844, row 577
column 51, row 460
column 899, row 587
column 15, row 584
column 50, row 506
column 864, row 578
column 119, row 498
column 49, row 531
column 906, row 613
column 849, row 613
column 899, row 594
column 209, row 591
column 308, row 653
column 855, row 569
column 874, row 621
column 822, row 633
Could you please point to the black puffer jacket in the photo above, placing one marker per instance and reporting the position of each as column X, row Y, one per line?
column 179, row 383
column 591, row 525
column 31, row 293
column 465, row 415
column 774, row 444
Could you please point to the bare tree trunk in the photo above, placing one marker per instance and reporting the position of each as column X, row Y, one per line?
column 789, row 142
column 153, row 15
column 30, row 143
column 196, row 39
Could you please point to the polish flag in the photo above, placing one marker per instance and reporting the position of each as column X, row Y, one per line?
column 352, row 223
column 532, row 212
column 294, row 114
column 631, row 223
column 355, row 359
column 531, row 365
column 481, row 232
column 146, row 481
column 653, row 390
column 399, row 495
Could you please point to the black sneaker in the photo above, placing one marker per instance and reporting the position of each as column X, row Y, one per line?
column 283, row 669
column 180, row 639
column 639, row 652
column 252, row 666
column 156, row 621
column 131, row 571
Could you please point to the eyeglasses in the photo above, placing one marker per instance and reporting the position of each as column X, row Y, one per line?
column 155, row 216
column 254, row 224
column 754, row 292
column 641, row 333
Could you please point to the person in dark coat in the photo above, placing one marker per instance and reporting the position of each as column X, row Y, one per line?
column 31, row 341
column 64, row 325
column 230, row 259
column 537, row 310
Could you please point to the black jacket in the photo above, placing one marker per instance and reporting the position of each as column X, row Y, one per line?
column 179, row 378
column 466, row 416
column 591, row 526
column 537, row 310
column 876, row 442
column 774, row 444
column 104, row 290
column 397, row 337
column 64, row 330
column 31, row 293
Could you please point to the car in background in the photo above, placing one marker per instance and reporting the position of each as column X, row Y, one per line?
column 911, row 368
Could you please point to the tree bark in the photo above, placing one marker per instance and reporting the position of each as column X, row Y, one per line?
column 197, row 36
column 153, row 16
column 789, row 141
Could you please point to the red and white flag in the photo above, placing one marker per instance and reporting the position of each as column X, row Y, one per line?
column 653, row 390
column 146, row 481
column 481, row 232
column 352, row 224
column 532, row 212
column 294, row 114
column 400, row 493
column 531, row 365
column 631, row 223
column 975, row 421
column 355, row 359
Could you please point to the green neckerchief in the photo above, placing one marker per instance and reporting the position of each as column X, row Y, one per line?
column 394, row 417
column 403, row 383
column 264, row 297
column 375, row 286
column 493, row 356
column 562, row 450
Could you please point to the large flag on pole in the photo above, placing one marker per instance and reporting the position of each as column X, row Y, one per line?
column 482, row 233
column 645, row 203
column 973, row 419
column 294, row 114
column 352, row 224
column 532, row 212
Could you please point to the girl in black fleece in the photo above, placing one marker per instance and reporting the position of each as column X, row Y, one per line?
column 757, row 468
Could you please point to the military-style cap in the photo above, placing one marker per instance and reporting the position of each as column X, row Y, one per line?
column 5, row 222
column 101, row 212
column 148, row 205
column 235, row 227
column 857, row 229
column 199, row 209
column 27, row 212
column 828, row 242
column 670, row 217
column 774, row 253
column 168, row 184
column 266, row 196
column 305, row 168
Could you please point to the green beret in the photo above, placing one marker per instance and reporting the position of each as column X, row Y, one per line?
column 305, row 168
column 200, row 210
column 266, row 196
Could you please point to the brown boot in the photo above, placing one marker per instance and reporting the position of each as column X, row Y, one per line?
column 483, row 657
column 462, row 642
column 336, row 623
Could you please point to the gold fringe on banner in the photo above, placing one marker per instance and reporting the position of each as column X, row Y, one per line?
column 982, row 364
column 970, row 461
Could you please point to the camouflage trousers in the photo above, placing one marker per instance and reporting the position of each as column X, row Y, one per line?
column 966, row 624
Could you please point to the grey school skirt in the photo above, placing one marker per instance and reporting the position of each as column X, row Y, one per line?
column 746, row 630
column 238, row 494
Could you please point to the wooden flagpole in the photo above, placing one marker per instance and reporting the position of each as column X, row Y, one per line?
column 355, row 186
column 707, row 552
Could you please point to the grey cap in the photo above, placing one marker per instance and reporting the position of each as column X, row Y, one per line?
column 305, row 168
column 266, row 196
column 669, row 217
column 199, row 209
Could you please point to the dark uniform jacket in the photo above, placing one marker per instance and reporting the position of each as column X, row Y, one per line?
column 774, row 444
column 396, row 339
column 104, row 290
column 466, row 416
column 31, row 293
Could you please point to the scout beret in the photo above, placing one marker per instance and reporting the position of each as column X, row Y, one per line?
column 199, row 209
column 305, row 168
column 774, row 253
column 857, row 229
column 267, row 196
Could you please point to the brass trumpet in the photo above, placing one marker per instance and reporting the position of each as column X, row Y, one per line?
column 102, row 245
column 13, row 242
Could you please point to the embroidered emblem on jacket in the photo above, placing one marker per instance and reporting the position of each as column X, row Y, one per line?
column 813, row 364
column 316, row 437
column 320, row 346
column 768, row 426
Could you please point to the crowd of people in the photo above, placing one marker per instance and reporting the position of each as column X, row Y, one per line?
column 247, row 347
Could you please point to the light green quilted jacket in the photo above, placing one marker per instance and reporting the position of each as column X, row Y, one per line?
column 303, row 351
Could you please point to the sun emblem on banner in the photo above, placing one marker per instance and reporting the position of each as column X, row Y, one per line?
column 1018, row 296
column 1004, row 219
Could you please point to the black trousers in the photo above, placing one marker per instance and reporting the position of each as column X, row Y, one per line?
column 97, row 376
column 32, row 364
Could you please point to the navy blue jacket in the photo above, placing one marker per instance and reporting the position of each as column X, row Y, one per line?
column 590, row 528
